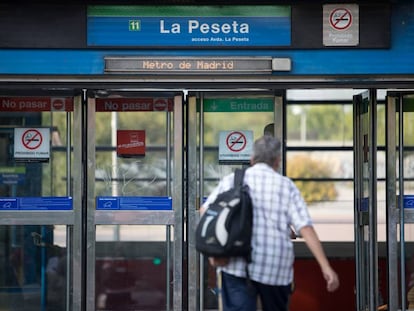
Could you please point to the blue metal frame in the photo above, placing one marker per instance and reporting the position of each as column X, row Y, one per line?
column 397, row 60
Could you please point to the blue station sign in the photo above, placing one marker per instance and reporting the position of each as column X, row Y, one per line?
column 189, row 26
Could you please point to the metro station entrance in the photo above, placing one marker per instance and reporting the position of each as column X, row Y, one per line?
column 100, row 191
column 151, row 189
column 118, row 119
column 221, row 129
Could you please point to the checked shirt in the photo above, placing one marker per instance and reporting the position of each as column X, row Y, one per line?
column 277, row 205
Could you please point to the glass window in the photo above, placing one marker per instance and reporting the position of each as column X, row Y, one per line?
column 319, row 157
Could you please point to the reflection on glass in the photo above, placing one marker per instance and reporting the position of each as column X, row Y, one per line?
column 131, row 275
column 32, row 269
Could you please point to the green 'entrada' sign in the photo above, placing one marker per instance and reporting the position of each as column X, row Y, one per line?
column 238, row 104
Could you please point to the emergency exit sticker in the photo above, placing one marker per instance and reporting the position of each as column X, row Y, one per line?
column 130, row 143
column 32, row 144
column 235, row 146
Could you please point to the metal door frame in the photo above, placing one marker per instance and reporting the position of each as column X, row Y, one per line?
column 195, row 165
column 365, row 212
column 172, row 218
column 395, row 199
column 69, row 218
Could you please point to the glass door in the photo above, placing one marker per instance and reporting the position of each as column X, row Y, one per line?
column 221, row 129
column 38, row 201
column 134, row 211
column 400, row 177
column 365, row 189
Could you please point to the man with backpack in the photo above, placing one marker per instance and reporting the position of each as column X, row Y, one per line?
column 277, row 205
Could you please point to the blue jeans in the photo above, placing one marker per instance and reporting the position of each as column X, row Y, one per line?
column 239, row 295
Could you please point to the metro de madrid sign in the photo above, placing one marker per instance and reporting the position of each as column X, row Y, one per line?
column 189, row 26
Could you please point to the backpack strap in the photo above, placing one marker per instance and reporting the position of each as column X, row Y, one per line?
column 238, row 181
column 239, row 176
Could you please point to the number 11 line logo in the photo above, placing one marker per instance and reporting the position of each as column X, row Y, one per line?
column 134, row 25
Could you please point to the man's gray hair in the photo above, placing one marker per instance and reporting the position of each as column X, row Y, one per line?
column 266, row 149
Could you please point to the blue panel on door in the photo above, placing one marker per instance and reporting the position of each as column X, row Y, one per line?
column 408, row 201
column 8, row 204
column 134, row 203
column 36, row 203
column 45, row 203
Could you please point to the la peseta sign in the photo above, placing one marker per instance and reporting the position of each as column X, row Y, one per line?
column 189, row 26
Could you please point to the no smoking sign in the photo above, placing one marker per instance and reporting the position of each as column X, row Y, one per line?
column 32, row 139
column 340, row 19
column 340, row 24
column 235, row 146
column 32, row 144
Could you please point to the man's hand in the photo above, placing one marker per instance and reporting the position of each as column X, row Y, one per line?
column 332, row 280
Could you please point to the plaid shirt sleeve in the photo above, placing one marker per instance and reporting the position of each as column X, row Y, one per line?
column 298, row 211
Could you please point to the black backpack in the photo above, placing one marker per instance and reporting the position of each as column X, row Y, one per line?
column 225, row 228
